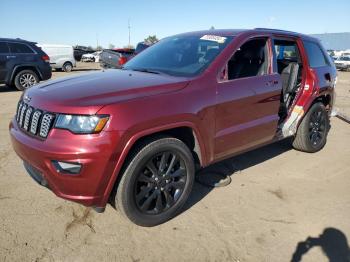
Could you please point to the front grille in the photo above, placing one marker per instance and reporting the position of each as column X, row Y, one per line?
column 34, row 121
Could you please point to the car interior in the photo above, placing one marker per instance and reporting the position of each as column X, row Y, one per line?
column 289, row 66
column 251, row 59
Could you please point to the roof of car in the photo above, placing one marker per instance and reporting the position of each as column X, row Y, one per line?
column 235, row 32
column 17, row 40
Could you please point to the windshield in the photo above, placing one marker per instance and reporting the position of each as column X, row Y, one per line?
column 180, row 55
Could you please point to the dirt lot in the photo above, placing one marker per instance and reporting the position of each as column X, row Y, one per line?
column 278, row 198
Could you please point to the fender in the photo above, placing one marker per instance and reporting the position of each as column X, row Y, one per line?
column 20, row 66
column 135, row 137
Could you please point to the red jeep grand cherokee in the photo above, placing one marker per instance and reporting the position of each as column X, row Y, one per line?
column 133, row 136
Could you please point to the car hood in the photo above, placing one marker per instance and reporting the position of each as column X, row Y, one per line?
column 87, row 93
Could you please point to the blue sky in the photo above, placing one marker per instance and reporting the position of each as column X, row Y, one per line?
column 83, row 22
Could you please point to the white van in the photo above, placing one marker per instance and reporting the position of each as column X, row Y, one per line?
column 61, row 56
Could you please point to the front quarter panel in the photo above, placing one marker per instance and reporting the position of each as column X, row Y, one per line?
column 135, row 119
column 190, row 105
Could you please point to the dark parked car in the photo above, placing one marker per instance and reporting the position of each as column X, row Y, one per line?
column 22, row 63
column 134, row 136
column 115, row 58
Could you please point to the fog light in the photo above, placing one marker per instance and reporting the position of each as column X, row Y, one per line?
column 67, row 167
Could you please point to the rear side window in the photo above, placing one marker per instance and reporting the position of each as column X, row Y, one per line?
column 315, row 55
column 4, row 49
column 18, row 48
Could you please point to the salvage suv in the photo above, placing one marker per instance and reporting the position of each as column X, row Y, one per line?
column 134, row 136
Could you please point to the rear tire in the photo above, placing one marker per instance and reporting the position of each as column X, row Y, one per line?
column 25, row 79
column 67, row 67
column 151, row 196
column 313, row 130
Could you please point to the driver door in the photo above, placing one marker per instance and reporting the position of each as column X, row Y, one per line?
column 248, row 99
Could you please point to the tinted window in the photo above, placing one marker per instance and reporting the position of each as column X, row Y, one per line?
column 183, row 55
column 18, row 48
column 315, row 55
column 4, row 48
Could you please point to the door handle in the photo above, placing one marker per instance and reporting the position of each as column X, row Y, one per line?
column 10, row 56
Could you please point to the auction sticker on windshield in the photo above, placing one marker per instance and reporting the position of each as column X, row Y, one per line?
column 214, row 38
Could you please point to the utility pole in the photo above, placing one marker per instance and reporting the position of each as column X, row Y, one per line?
column 129, row 30
column 96, row 41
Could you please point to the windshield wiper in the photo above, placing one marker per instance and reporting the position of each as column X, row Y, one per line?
column 145, row 70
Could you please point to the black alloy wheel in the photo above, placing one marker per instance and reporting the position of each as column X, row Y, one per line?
column 317, row 127
column 156, row 182
column 160, row 183
column 312, row 132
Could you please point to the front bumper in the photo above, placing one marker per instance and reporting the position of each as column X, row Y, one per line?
column 95, row 152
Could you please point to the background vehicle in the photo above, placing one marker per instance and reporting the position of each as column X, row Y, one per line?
column 115, row 58
column 61, row 56
column 134, row 136
column 22, row 63
column 79, row 51
column 94, row 57
column 140, row 47
column 342, row 63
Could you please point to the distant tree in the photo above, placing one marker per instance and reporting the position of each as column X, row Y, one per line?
column 212, row 28
column 151, row 39
column 111, row 46
column 331, row 52
column 90, row 47
column 99, row 48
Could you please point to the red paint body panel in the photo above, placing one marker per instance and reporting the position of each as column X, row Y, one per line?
column 227, row 117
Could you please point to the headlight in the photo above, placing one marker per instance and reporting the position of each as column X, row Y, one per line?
column 82, row 124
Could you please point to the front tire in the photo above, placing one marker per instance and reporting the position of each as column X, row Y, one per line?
column 157, row 182
column 313, row 130
column 25, row 79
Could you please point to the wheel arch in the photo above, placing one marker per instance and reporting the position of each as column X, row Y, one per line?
column 67, row 62
column 19, row 68
column 325, row 99
column 185, row 131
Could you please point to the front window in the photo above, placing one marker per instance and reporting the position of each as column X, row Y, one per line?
column 179, row 55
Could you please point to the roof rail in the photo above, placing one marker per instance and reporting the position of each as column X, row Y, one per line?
column 276, row 30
